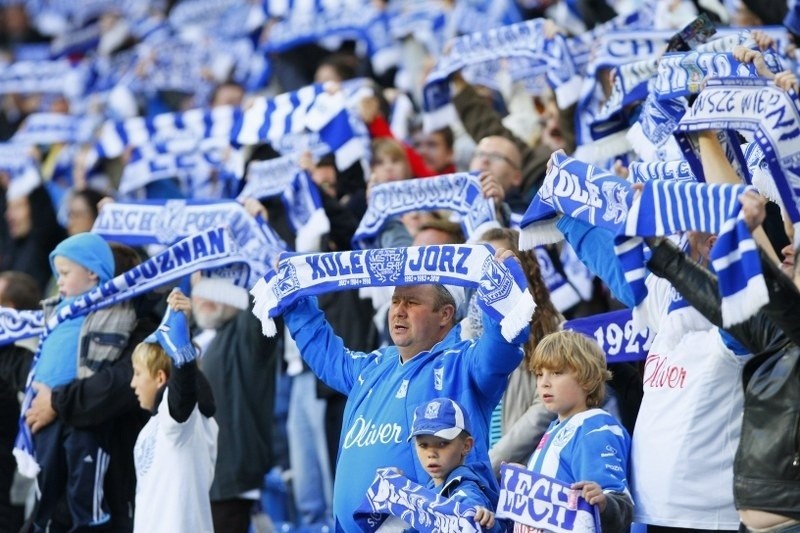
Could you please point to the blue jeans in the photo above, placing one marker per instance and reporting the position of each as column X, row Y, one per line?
column 308, row 451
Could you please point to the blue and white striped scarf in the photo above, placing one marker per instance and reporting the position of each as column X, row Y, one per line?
column 41, row 77
column 682, row 74
column 205, row 172
column 502, row 287
column 218, row 17
column 395, row 497
column 266, row 121
column 543, row 502
column 52, row 128
column 667, row 207
column 460, row 192
column 283, row 177
column 297, row 22
column 212, row 248
column 771, row 114
column 23, row 173
column 167, row 221
column 522, row 40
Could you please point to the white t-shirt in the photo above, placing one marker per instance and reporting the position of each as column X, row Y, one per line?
column 689, row 422
column 174, row 470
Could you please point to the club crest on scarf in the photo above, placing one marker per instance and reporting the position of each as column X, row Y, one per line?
column 496, row 283
column 386, row 265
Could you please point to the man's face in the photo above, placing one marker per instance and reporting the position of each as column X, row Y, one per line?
column 434, row 150
column 500, row 157
column 18, row 217
column 211, row 315
column 414, row 325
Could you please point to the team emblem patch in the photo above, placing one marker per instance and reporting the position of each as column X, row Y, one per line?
column 166, row 221
column 616, row 207
column 386, row 265
column 496, row 282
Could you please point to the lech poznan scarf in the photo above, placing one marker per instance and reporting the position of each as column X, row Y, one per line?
column 394, row 497
column 167, row 221
column 772, row 115
column 460, row 192
column 544, row 503
column 210, row 249
column 502, row 287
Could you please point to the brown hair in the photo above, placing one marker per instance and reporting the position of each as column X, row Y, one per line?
column 580, row 355
column 391, row 148
column 21, row 290
column 452, row 229
column 546, row 318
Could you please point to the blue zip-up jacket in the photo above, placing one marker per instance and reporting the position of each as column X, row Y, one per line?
column 466, row 484
column 383, row 393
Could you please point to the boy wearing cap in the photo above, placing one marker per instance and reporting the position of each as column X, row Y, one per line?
column 74, row 460
column 442, row 439
column 176, row 451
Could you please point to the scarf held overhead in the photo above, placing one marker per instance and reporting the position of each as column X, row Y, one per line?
column 460, row 192
column 502, row 287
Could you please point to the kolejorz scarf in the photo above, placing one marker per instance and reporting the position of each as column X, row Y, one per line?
column 460, row 192
column 394, row 497
column 503, row 291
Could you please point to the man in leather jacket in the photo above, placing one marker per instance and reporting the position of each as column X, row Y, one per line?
column 767, row 461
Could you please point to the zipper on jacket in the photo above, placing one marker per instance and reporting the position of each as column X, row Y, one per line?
column 796, row 461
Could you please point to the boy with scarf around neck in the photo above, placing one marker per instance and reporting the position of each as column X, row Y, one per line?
column 442, row 439
column 73, row 460
column 427, row 360
column 177, row 449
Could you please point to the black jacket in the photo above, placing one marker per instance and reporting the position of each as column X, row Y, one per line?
column 240, row 365
column 766, row 467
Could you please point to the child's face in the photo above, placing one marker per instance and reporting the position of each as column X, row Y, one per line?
column 145, row 385
column 439, row 457
column 560, row 392
column 386, row 168
column 73, row 279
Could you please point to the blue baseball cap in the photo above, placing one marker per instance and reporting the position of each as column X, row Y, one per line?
column 441, row 417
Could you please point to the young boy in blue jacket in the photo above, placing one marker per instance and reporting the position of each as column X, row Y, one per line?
column 442, row 440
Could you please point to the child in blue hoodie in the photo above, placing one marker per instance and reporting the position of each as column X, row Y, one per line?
column 73, row 460
column 442, row 440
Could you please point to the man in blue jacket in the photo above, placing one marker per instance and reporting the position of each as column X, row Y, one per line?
column 428, row 360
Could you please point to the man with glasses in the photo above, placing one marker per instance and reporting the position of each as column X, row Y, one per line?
column 499, row 158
